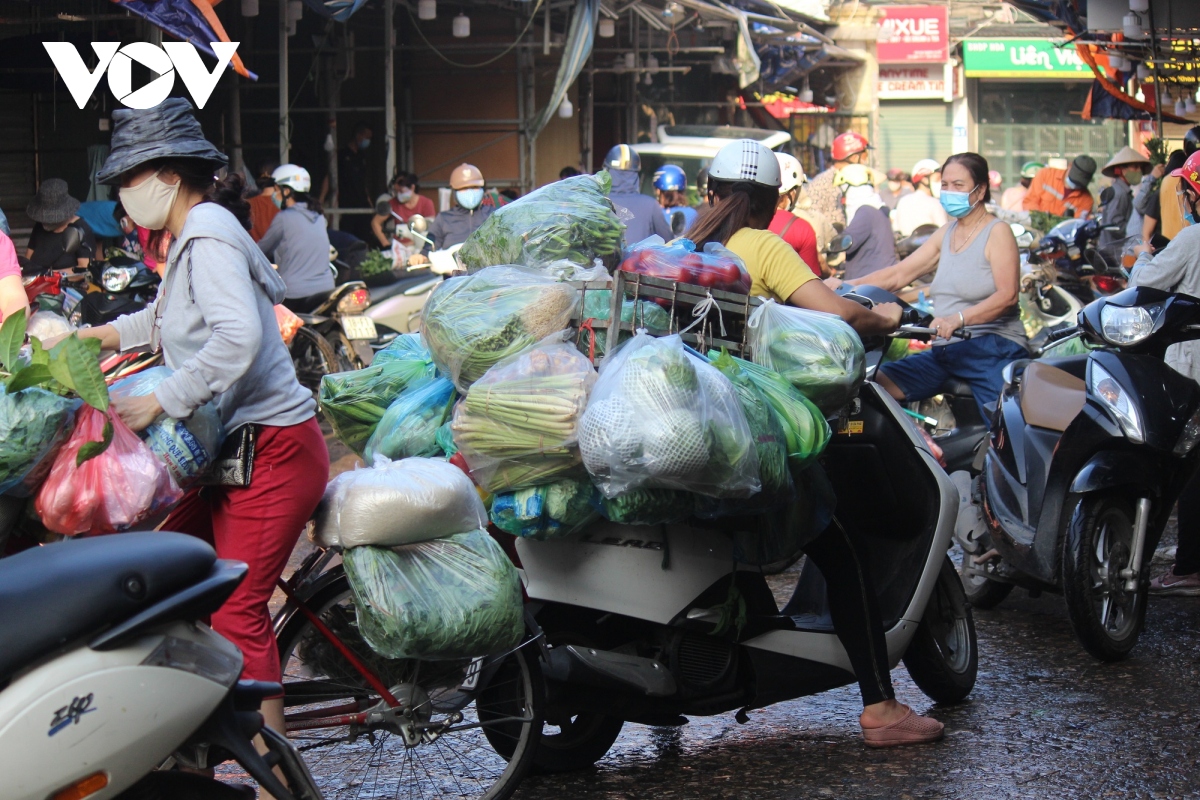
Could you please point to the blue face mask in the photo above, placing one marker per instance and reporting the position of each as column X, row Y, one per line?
column 1189, row 218
column 469, row 198
column 956, row 204
column 277, row 199
column 363, row 144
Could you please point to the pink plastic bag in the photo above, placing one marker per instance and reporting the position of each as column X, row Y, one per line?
column 109, row 492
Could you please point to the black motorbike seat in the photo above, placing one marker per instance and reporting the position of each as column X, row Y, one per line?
column 52, row 595
column 381, row 293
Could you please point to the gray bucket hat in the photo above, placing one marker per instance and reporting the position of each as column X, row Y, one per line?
column 53, row 204
column 169, row 130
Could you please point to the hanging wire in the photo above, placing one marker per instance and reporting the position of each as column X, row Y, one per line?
column 452, row 62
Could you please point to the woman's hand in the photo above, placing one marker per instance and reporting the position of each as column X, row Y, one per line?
column 138, row 412
column 1144, row 247
column 946, row 326
column 416, row 259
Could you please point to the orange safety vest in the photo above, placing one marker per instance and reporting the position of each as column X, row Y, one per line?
column 1048, row 192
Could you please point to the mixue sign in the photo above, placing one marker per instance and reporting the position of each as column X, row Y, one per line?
column 165, row 62
column 913, row 34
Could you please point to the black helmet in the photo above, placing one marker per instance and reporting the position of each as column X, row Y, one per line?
column 1191, row 140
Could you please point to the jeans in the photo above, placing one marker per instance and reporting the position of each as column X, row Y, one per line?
column 976, row 361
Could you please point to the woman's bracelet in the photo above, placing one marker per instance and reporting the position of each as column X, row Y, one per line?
column 962, row 320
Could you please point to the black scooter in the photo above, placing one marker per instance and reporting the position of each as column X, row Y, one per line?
column 1086, row 457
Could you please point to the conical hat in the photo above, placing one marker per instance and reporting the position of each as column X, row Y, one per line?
column 1126, row 155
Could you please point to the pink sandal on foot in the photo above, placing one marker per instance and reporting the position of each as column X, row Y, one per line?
column 912, row 728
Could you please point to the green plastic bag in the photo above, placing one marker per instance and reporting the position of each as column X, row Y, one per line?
column 804, row 426
column 451, row 598
column 354, row 402
column 410, row 424
column 550, row 511
column 405, row 347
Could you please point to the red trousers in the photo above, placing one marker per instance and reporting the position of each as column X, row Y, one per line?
column 259, row 524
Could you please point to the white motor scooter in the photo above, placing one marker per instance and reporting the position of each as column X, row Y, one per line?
column 109, row 680
column 651, row 623
column 398, row 306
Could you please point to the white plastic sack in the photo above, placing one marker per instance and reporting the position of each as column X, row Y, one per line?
column 660, row 417
column 398, row 502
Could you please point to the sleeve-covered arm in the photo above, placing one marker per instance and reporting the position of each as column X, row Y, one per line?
column 1145, row 193
column 272, row 237
column 227, row 298
column 134, row 329
column 1164, row 270
column 659, row 225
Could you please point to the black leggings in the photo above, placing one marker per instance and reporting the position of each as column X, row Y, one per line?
column 1187, row 556
column 855, row 609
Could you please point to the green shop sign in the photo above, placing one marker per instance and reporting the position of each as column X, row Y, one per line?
column 1022, row 58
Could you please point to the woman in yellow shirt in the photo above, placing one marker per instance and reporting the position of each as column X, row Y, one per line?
column 743, row 188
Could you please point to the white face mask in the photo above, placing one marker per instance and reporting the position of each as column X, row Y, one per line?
column 149, row 203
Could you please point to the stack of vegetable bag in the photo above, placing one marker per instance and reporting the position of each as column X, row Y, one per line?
column 570, row 219
column 597, row 306
column 409, row 426
column 355, row 401
column 817, row 353
column 662, row 417
column 715, row 267
column 427, row 581
column 517, row 426
column 472, row 322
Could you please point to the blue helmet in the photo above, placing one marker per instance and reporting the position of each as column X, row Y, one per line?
column 622, row 156
column 670, row 178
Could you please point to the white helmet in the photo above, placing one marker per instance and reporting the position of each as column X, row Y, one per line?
column 926, row 166
column 791, row 173
column 745, row 160
column 294, row 177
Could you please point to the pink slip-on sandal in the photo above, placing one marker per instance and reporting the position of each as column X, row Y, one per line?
column 912, row 728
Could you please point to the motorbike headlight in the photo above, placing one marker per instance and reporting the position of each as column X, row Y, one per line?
column 355, row 302
column 117, row 279
column 1189, row 437
column 1117, row 400
column 217, row 665
column 1122, row 326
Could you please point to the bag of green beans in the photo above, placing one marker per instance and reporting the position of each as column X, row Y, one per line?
column 354, row 402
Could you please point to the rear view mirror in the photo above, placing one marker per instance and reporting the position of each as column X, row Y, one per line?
column 418, row 223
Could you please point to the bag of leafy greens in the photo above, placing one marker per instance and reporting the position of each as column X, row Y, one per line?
column 409, row 426
column 549, row 511
column 642, row 313
column 663, row 417
column 34, row 423
column 447, row 599
column 354, row 402
column 778, row 537
column 648, row 506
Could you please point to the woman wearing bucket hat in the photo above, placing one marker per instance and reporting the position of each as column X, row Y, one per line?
column 215, row 324
column 1116, row 202
column 60, row 239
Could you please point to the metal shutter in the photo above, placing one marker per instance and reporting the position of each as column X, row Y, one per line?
column 910, row 130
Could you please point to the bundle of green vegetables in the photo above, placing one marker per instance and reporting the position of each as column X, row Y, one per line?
column 817, row 353
column 642, row 313
column 409, row 426
column 354, row 402
column 549, row 511
column 570, row 219
column 662, row 417
column 648, row 506
column 517, row 425
column 451, row 598
column 472, row 322
column 33, row 425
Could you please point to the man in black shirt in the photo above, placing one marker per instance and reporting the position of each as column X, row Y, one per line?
column 60, row 239
column 352, row 190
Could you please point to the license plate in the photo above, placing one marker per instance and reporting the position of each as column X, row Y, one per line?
column 359, row 326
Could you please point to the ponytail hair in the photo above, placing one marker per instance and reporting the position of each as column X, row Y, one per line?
column 198, row 176
column 743, row 204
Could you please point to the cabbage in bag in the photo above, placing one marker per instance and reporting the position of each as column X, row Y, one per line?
column 34, row 423
column 447, row 599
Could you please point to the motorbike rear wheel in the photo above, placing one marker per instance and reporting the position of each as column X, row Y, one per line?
column 943, row 656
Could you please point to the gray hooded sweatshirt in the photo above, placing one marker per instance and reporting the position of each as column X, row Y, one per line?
column 648, row 218
column 299, row 243
column 214, row 319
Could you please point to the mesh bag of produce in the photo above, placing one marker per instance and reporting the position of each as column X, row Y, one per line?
column 517, row 426
column 663, row 417
column 642, row 313
column 549, row 511
column 570, row 219
column 409, row 426
column 111, row 491
column 817, row 353
column 780, row 536
column 452, row 598
column 805, row 429
column 472, row 322
column 648, row 506
column 714, row 267
column 187, row 447
column 34, row 423
column 397, row 502
column 354, row 402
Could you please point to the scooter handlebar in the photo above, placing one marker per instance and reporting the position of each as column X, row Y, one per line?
column 1064, row 333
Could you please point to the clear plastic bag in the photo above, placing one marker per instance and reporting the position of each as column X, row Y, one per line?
column 596, row 306
column 648, row 507
column 397, row 502
column 806, row 432
column 409, row 426
column 405, row 347
column 34, row 424
column 447, row 599
column 187, row 447
column 662, row 417
column 45, row 325
column 714, row 267
column 550, row 511
column 109, row 492
column 817, row 353
column 779, row 537
column 518, row 425
column 570, row 219
column 354, row 402
column 472, row 322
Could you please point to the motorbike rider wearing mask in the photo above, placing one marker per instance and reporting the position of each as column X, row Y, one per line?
column 742, row 208
column 873, row 245
column 454, row 225
column 670, row 187
column 298, row 241
column 623, row 164
column 400, row 204
column 1116, row 201
column 976, row 288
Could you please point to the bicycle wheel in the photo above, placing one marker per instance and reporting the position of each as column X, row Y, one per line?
column 437, row 743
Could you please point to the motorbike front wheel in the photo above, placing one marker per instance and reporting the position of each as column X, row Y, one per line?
column 1106, row 618
column 943, row 656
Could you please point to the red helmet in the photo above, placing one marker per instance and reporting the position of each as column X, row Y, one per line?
column 1190, row 171
column 847, row 144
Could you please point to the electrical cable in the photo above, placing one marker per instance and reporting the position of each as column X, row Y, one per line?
column 453, row 63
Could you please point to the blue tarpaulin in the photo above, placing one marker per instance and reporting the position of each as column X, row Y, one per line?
column 337, row 10
column 184, row 20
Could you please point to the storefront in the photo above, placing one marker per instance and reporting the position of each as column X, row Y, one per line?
column 1026, row 97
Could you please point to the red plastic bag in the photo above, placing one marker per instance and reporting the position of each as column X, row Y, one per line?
column 109, row 492
column 715, row 268
column 288, row 323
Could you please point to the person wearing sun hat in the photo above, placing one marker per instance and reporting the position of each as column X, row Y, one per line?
column 1116, row 202
column 214, row 321
column 60, row 239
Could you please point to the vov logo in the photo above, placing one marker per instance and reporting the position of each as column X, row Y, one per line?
column 164, row 61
